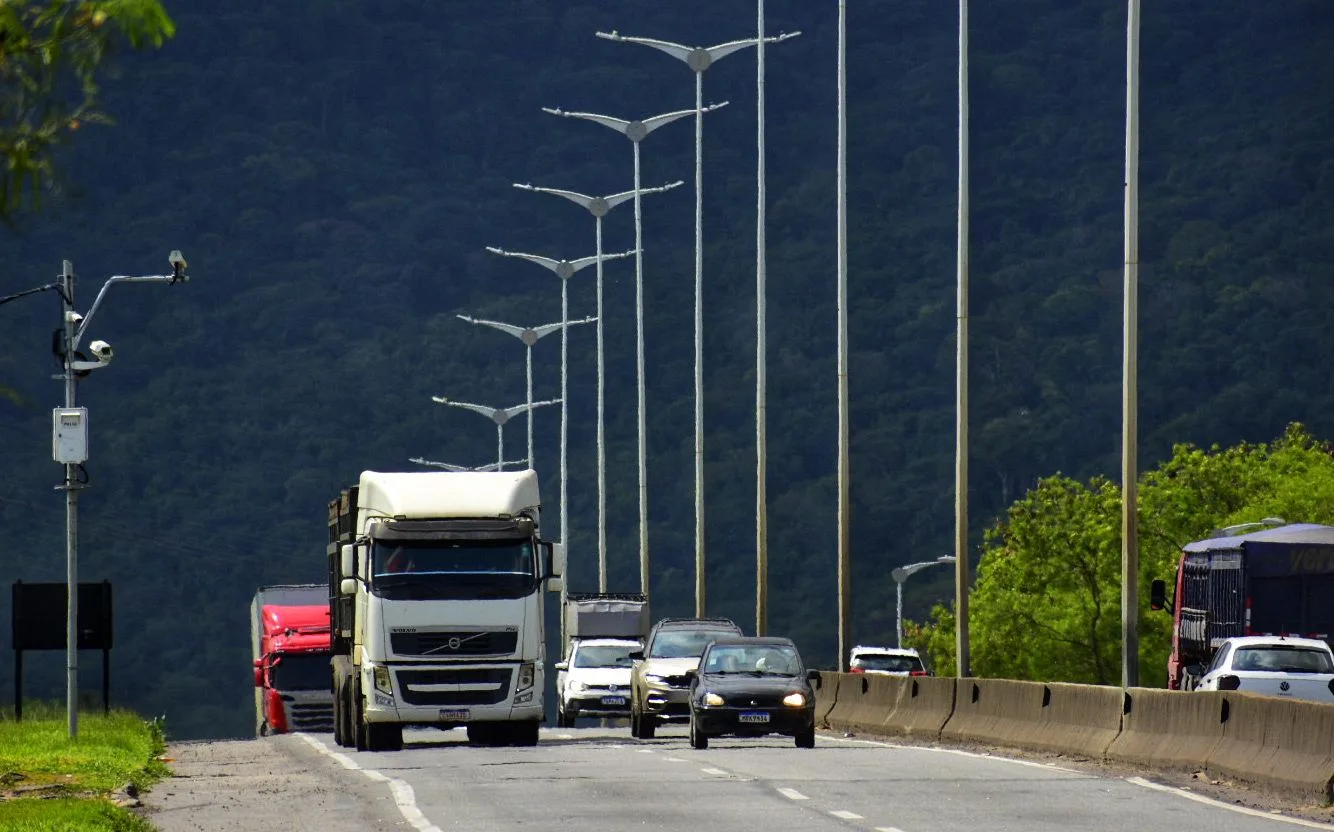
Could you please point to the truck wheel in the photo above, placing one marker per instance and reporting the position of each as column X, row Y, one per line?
column 384, row 737
column 523, row 733
column 360, row 736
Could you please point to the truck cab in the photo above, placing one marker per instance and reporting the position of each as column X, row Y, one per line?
column 290, row 640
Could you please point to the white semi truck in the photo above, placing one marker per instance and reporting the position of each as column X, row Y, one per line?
column 437, row 583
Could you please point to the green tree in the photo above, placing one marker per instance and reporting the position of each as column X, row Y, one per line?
column 52, row 53
column 1047, row 602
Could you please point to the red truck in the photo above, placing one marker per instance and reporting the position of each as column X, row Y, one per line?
column 1276, row 581
column 289, row 636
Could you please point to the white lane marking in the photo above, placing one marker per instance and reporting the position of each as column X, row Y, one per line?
column 674, row 759
column 1199, row 798
column 713, row 771
column 644, row 750
column 962, row 753
column 888, row 829
column 404, row 798
column 563, row 736
column 845, row 814
column 792, row 794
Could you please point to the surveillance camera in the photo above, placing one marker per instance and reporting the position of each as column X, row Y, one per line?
column 101, row 350
column 73, row 317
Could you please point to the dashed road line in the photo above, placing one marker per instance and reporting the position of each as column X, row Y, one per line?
column 713, row 771
column 844, row 814
column 792, row 794
column 888, row 829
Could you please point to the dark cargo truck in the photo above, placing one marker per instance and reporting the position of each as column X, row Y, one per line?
column 1278, row 581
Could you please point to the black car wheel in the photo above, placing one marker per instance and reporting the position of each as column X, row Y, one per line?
column 698, row 739
column 806, row 739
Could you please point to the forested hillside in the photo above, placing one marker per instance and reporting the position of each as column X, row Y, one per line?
column 334, row 169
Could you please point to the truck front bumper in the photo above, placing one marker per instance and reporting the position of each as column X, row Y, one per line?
column 452, row 694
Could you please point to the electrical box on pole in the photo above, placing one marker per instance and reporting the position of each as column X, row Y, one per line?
column 69, row 435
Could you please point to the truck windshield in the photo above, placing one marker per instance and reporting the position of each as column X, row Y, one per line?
column 443, row 569
column 301, row 671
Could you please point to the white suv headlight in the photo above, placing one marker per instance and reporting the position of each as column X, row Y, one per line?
column 576, row 686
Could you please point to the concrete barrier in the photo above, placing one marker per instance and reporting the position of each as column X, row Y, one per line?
column 865, row 700
column 922, row 708
column 1082, row 720
column 826, row 694
column 1169, row 729
column 1278, row 744
column 994, row 711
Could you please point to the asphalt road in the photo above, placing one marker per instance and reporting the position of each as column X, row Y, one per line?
column 591, row 779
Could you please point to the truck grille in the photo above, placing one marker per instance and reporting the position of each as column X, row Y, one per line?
column 458, row 643
column 310, row 716
column 472, row 686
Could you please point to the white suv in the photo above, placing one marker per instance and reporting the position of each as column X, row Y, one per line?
column 594, row 680
column 891, row 661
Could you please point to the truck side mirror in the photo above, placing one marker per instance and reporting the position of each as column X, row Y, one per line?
column 347, row 586
column 259, row 672
column 553, row 555
column 347, row 560
column 1158, row 595
column 561, row 665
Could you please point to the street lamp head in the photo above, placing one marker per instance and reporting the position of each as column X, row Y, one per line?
column 178, row 266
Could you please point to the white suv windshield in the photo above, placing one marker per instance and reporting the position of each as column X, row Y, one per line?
column 603, row 655
column 684, row 644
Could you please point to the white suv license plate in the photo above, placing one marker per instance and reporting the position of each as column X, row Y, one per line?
column 752, row 716
column 613, row 700
column 453, row 714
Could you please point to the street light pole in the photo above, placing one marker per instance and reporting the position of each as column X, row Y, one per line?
column 564, row 269
column 529, row 336
column 844, row 461
column 900, row 575
column 74, row 328
column 1130, row 348
column 961, row 580
column 490, row 466
column 599, row 206
column 636, row 131
column 499, row 415
column 698, row 59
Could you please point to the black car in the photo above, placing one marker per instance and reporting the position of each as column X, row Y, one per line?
column 749, row 687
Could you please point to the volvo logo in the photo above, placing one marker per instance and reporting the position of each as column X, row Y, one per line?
column 454, row 642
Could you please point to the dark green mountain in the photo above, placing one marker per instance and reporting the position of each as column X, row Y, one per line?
column 334, row 170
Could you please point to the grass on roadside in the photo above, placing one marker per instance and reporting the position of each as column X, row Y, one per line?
column 49, row 783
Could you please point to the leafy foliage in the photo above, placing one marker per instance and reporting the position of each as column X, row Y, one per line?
column 1047, row 606
column 52, row 54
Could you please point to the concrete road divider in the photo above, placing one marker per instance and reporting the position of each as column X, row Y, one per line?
column 995, row 711
column 1169, row 729
column 864, row 702
column 1078, row 719
column 826, row 694
column 922, row 709
column 1278, row 744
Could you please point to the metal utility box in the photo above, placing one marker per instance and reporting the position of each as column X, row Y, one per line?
column 69, row 435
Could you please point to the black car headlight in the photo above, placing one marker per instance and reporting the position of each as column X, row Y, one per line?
column 795, row 700
column 712, row 699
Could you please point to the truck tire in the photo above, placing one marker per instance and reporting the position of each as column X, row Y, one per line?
column 384, row 736
column 359, row 733
column 523, row 733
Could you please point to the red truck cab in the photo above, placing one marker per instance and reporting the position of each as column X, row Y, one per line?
column 292, row 675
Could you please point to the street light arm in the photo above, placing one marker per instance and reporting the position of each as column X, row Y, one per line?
column 677, row 50
column 511, row 412
column 722, row 50
column 626, row 196
column 618, row 124
column 654, row 122
column 582, row 200
column 489, row 412
column 431, row 464
column 87, row 319
column 549, row 262
column 516, row 331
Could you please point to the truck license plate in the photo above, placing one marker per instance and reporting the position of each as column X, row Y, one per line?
column 753, row 716
column 453, row 714
column 613, row 700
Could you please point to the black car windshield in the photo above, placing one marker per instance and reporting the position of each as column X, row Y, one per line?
column 462, row 569
column 684, row 644
column 300, row 671
column 764, row 659
column 603, row 655
column 891, row 664
column 1282, row 660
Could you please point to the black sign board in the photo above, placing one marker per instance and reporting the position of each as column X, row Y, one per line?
column 40, row 624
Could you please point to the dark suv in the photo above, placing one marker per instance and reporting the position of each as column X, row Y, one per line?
column 659, row 688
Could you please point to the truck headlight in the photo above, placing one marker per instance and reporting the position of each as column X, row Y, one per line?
column 382, row 682
column 713, row 699
column 794, row 700
column 525, row 676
